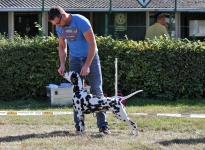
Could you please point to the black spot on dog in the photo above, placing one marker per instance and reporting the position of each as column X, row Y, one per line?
column 100, row 101
column 87, row 97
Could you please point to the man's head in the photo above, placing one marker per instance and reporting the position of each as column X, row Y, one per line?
column 57, row 16
column 161, row 18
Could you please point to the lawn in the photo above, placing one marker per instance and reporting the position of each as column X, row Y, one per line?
column 57, row 132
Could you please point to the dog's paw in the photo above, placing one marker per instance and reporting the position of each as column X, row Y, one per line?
column 136, row 132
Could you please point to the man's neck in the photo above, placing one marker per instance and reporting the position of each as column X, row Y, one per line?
column 68, row 19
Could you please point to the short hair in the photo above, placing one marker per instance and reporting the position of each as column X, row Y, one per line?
column 161, row 16
column 55, row 11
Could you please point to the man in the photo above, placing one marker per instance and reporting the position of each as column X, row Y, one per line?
column 76, row 30
column 158, row 28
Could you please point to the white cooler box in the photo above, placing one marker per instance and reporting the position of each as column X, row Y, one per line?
column 61, row 96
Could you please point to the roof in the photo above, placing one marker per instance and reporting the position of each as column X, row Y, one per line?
column 104, row 5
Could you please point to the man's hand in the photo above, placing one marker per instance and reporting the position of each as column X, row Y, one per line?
column 85, row 71
column 61, row 70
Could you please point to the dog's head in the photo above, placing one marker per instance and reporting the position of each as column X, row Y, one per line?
column 72, row 77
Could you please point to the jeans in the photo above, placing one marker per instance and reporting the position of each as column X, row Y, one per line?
column 95, row 81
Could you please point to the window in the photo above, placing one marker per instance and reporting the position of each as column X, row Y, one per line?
column 196, row 27
column 24, row 23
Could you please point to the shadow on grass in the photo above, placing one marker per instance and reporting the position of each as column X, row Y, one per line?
column 28, row 136
column 182, row 141
column 46, row 135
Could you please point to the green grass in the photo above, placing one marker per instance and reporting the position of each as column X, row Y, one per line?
column 31, row 104
column 57, row 131
column 132, row 105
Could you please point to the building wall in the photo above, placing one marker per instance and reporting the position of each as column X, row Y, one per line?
column 4, row 22
column 136, row 24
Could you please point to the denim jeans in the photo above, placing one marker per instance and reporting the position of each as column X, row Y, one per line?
column 95, row 82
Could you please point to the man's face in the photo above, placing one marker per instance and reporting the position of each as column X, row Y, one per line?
column 58, row 21
column 164, row 20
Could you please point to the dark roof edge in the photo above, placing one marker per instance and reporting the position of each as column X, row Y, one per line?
column 104, row 9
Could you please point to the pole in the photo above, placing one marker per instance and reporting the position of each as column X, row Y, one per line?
column 106, row 24
column 107, row 18
column 116, row 90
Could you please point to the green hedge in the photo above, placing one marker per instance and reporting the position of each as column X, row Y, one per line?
column 164, row 68
column 27, row 65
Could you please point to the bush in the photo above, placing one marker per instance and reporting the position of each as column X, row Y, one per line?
column 28, row 65
column 164, row 68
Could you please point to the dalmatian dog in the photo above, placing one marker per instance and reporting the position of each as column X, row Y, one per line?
column 85, row 103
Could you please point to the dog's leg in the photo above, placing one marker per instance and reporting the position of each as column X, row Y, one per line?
column 81, row 122
column 133, row 128
column 121, row 115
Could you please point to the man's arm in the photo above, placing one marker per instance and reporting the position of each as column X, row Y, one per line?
column 62, row 51
column 90, row 37
column 164, row 30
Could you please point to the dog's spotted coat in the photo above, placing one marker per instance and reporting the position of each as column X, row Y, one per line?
column 85, row 103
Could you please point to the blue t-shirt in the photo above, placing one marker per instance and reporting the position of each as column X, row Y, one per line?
column 74, row 34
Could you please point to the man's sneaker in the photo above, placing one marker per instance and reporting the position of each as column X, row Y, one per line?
column 77, row 131
column 105, row 130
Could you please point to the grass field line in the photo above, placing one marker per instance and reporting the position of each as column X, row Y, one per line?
column 23, row 113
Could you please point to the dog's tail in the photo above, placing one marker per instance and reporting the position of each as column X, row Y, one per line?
column 130, row 95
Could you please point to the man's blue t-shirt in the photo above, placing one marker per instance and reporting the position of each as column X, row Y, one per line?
column 77, row 43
